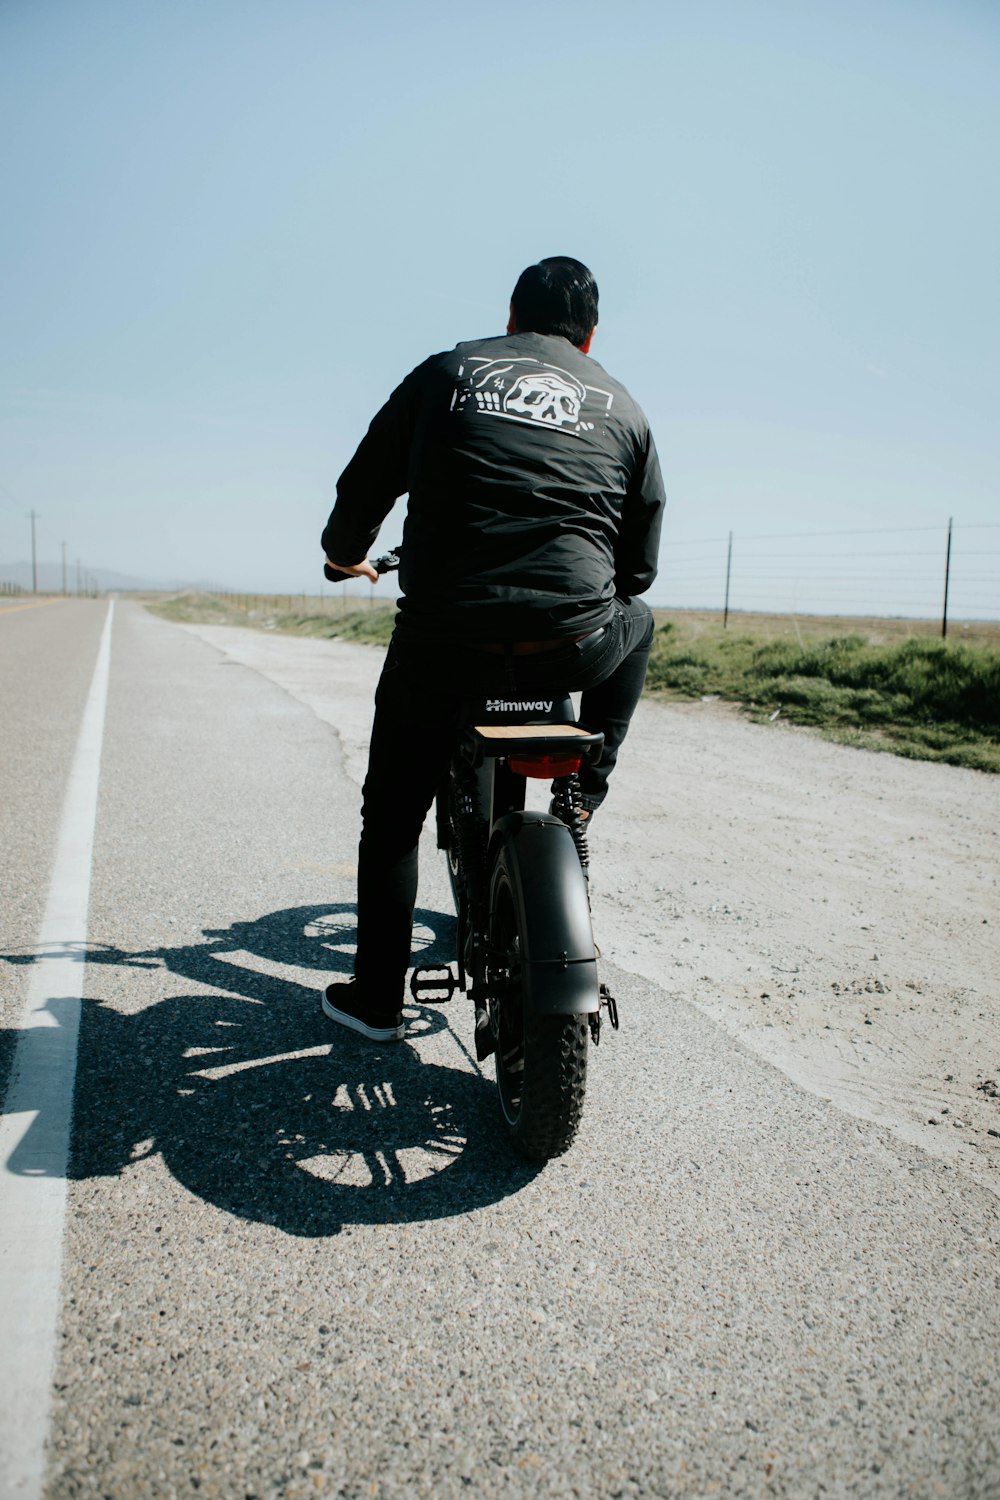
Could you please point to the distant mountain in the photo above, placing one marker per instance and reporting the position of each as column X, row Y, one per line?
column 50, row 579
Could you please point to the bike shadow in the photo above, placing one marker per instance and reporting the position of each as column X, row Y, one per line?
column 259, row 1105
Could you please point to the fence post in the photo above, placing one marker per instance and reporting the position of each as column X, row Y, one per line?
column 729, row 568
column 947, row 573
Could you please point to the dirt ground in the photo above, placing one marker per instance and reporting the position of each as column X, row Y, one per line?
column 835, row 909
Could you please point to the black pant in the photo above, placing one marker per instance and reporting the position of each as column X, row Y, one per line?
column 417, row 709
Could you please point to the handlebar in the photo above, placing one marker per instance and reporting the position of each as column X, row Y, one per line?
column 388, row 563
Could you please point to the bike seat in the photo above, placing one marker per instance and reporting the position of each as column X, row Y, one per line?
column 541, row 742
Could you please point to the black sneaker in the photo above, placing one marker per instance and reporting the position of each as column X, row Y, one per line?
column 345, row 1004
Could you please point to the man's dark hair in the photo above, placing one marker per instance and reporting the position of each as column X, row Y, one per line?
column 559, row 295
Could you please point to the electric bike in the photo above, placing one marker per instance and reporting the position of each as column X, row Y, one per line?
column 525, row 945
column 525, row 951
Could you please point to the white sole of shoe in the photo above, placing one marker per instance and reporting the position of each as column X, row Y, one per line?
column 373, row 1033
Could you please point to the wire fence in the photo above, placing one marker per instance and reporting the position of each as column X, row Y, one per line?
column 331, row 599
column 937, row 574
column 930, row 573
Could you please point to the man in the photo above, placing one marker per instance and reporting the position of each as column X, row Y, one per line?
column 532, row 525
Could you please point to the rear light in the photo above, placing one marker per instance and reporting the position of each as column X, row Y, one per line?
column 544, row 767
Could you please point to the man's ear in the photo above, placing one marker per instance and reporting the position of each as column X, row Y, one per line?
column 585, row 346
column 511, row 320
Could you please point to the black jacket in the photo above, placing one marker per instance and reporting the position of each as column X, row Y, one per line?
column 534, row 491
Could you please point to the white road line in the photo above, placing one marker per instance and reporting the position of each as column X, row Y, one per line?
column 35, row 1128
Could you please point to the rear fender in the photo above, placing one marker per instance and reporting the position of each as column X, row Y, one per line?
column 559, row 966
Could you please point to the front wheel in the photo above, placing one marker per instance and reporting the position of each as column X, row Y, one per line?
column 541, row 1061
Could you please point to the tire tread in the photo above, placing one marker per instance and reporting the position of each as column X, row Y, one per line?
column 555, row 1084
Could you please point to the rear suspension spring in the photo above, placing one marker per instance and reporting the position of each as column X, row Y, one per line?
column 567, row 806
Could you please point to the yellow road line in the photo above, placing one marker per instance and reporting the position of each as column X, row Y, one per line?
column 10, row 609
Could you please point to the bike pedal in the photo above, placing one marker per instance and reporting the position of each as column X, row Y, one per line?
column 436, row 985
column 610, row 1004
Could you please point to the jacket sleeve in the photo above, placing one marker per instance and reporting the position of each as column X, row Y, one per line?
column 374, row 479
column 638, row 544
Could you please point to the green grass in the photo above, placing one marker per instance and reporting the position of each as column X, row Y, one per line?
column 924, row 698
column 880, row 685
column 366, row 624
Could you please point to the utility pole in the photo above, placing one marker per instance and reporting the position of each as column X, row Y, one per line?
column 64, row 566
column 947, row 574
column 79, row 585
column 34, row 565
column 729, row 569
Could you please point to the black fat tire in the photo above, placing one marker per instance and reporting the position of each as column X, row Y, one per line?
column 541, row 1061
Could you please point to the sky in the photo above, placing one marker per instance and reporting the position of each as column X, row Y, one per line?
column 233, row 226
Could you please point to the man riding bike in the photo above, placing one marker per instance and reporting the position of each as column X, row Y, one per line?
column 532, row 525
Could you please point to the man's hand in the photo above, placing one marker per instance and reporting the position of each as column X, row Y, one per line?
column 356, row 570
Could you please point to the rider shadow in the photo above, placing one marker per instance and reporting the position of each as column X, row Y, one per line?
column 259, row 1105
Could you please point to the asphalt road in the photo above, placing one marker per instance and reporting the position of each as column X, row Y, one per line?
column 296, row 1264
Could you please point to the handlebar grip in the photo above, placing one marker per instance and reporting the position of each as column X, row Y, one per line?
column 388, row 563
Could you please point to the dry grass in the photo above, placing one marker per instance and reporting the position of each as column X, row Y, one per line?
column 878, row 684
column 806, row 629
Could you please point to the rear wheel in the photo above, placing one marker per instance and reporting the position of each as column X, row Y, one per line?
column 541, row 1061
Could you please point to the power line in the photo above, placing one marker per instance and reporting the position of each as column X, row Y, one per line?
column 789, row 536
column 9, row 497
column 792, row 556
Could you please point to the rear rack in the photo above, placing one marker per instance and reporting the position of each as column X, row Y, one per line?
column 499, row 741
